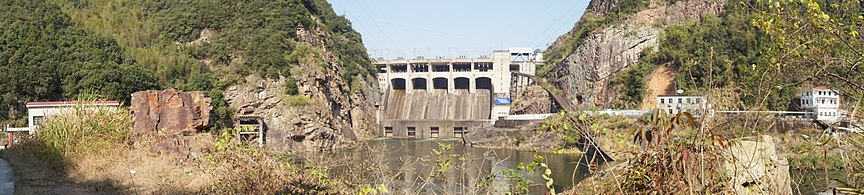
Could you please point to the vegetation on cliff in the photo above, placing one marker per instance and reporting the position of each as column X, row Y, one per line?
column 715, row 52
column 763, row 58
column 591, row 21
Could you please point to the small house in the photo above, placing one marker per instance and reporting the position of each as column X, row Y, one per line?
column 821, row 103
column 674, row 104
column 37, row 112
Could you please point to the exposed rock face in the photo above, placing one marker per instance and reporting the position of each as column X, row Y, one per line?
column 325, row 114
column 171, row 111
column 756, row 167
column 534, row 100
column 321, row 117
column 584, row 75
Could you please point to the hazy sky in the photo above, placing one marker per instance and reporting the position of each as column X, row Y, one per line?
column 394, row 28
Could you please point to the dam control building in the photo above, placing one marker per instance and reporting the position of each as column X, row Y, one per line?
column 446, row 97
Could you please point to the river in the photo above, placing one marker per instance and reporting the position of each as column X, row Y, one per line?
column 410, row 162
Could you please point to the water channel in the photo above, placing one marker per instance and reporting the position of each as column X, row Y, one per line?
column 410, row 162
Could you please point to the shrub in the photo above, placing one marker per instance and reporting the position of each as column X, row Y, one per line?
column 298, row 100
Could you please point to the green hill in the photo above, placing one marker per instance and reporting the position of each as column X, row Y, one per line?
column 54, row 50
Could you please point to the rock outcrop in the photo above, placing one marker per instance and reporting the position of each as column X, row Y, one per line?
column 170, row 111
column 756, row 167
column 534, row 100
column 326, row 112
column 583, row 75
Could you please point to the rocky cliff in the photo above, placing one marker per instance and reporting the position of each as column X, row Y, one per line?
column 588, row 60
column 325, row 112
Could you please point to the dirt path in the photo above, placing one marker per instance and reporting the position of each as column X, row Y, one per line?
column 660, row 82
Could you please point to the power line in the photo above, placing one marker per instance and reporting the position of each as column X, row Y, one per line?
column 556, row 23
column 372, row 20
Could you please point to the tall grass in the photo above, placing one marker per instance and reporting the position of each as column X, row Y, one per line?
column 85, row 129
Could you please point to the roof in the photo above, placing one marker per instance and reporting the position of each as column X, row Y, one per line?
column 680, row 96
column 71, row 103
column 821, row 88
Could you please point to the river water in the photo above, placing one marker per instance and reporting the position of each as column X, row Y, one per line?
column 405, row 165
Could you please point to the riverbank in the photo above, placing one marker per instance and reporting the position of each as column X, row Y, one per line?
column 803, row 148
column 554, row 136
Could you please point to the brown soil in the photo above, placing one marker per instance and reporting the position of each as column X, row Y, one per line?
column 660, row 82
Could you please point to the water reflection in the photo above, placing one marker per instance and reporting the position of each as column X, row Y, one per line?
column 409, row 166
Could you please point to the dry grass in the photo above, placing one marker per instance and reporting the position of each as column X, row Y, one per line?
column 90, row 152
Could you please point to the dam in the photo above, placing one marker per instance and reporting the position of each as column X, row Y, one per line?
column 447, row 97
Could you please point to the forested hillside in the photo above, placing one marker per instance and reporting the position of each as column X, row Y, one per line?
column 116, row 47
column 45, row 56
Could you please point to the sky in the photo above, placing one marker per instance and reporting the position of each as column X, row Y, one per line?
column 402, row 28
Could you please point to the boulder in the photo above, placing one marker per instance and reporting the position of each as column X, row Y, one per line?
column 757, row 168
column 170, row 111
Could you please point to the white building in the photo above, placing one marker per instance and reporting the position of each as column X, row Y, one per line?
column 37, row 112
column 822, row 103
column 674, row 104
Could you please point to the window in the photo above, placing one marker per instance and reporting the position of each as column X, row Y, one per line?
column 388, row 131
column 458, row 131
column 412, row 132
column 434, row 131
column 670, row 111
column 680, row 100
column 662, row 100
column 37, row 120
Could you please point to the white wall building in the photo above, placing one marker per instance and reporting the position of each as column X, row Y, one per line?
column 674, row 104
column 822, row 102
column 37, row 112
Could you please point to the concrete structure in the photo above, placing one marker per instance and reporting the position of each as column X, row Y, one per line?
column 251, row 128
column 822, row 103
column 674, row 104
column 450, row 93
column 37, row 112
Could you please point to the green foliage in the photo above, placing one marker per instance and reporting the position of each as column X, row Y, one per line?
column 45, row 56
column 444, row 160
column 813, row 41
column 539, row 163
column 719, row 51
column 630, row 85
column 369, row 190
column 298, row 100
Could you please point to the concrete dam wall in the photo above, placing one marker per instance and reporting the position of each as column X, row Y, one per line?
column 435, row 113
column 437, row 104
